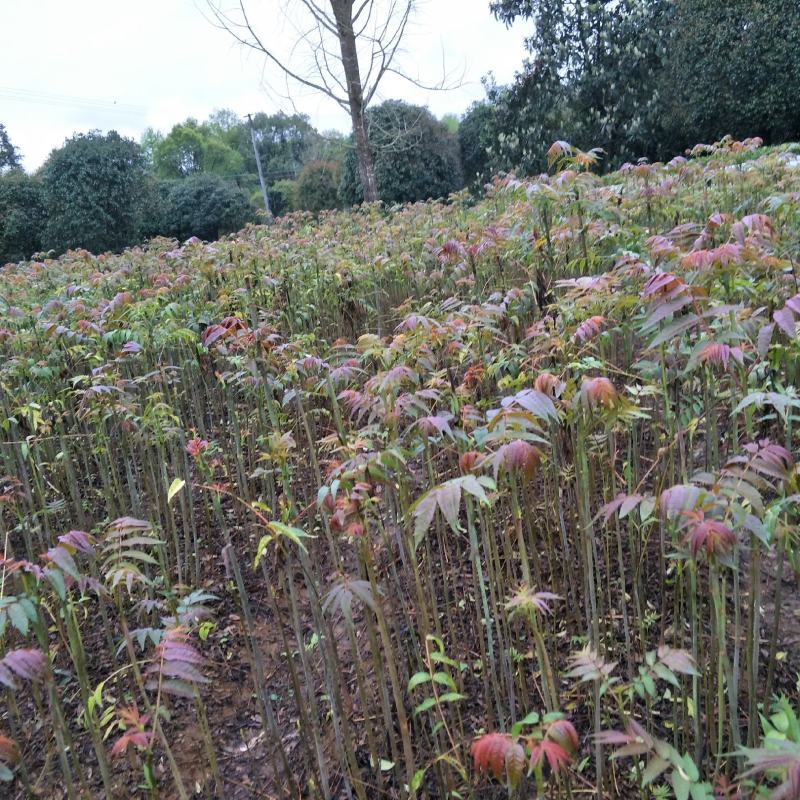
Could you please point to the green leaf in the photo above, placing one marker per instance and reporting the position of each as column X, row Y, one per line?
column 443, row 679
column 654, row 768
column 295, row 535
column 205, row 629
column 417, row 679
column 441, row 658
column 95, row 699
column 386, row 765
column 416, row 781
column 263, row 543
column 451, row 697
column 61, row 557
column 56, row 578
column 689, row 767
column 426, row 705
column 174, row 488
column 532, row 718
column 681, row 325
column 680, row 785
column 646, row 508
column 139, row 555
column 666, row 674
column 19, row 619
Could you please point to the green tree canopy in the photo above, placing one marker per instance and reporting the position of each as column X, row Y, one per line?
column 647, row 77
column 476, row 138
column 22, row 215
column 317, row 186
column 192, row 149
column 415, row 156
column 9, row 155
column 733, row 68
column 92, row 188
column 285, row 143
column 592, row 79
column 205, row 206
column 282, row 197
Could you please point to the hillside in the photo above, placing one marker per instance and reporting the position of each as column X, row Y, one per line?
column 397, row 502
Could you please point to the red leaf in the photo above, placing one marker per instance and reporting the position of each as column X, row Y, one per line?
column 680, row 498
column 489, row 753
column 139, row 739
column 557, row 757
column 9, row 750
column 589, row 329
column 563, row 732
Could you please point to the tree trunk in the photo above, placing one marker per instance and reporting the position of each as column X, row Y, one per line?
column 343, row 13
column 366, row 168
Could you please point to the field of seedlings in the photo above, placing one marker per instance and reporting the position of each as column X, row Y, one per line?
column 468, row 500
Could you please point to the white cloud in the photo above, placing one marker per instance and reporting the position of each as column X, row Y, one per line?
column 84, row 64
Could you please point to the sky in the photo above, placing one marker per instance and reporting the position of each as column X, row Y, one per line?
column 71, row 66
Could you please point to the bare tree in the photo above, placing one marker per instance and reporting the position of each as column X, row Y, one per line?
column 351, row 45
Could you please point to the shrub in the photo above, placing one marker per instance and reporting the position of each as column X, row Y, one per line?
column 22, row 216
column 205, row 206
column 317, row 186
column 92, row 189
column 282, row 197
column 475, row 140
column 416, row 158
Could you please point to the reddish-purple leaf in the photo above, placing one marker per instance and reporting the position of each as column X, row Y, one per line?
column 80, row 541
column 784, row 318
column 27, row 663
column 62, row 558
column 677, row 660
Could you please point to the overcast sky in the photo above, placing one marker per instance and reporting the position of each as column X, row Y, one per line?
column 75, row 65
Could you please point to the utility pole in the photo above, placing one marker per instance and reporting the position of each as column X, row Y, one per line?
column 258, row 167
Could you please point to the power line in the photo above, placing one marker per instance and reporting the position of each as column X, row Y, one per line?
column 69, row 101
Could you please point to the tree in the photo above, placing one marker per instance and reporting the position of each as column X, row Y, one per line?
column 149, row 141
column 9, row 155
column 648, row 77
column 282, row 197
column 22, row 215
column 733, row 68
column 92, row 188
column 205, row 206
column 190, row 149
column 351, row 45
column 330, row 145
column 153, row 208
column 595, row 77
column 475, row 138
column 317, row 186
column 451, row 122
column 285, row 142
column 415, row 156
column 224, row 120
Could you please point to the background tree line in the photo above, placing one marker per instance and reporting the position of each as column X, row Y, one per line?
column 106, row 192
column 638, row 78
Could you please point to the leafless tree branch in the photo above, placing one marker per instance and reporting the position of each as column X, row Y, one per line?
column 336, row 35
